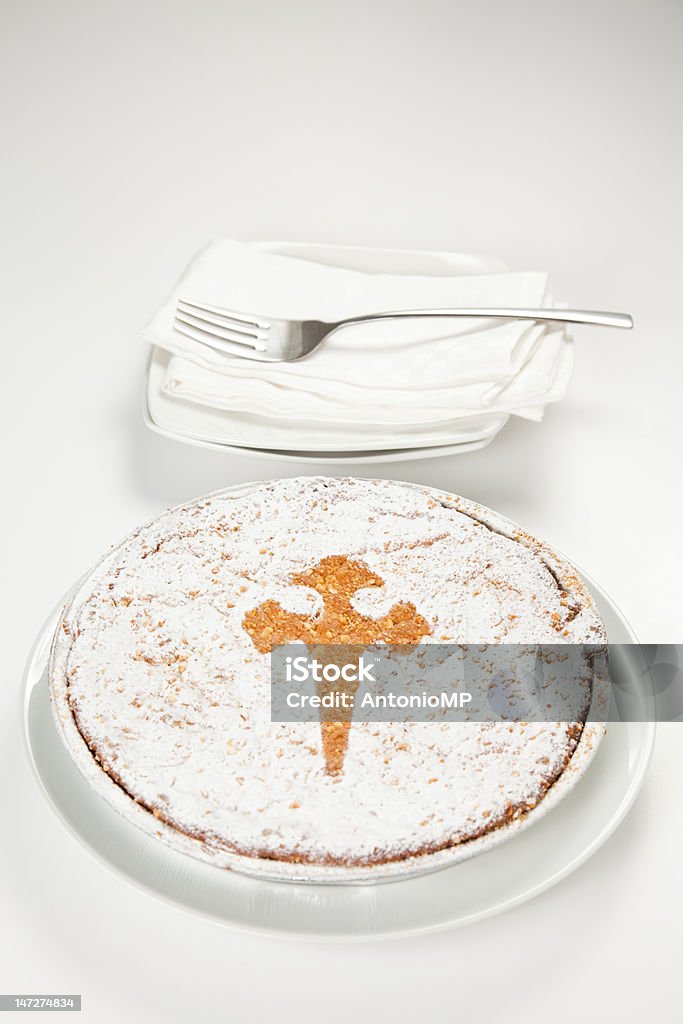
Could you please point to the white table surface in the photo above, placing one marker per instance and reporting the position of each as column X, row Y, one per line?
column 548, row 134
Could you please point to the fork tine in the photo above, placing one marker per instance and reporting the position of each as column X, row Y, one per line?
column 240, row 326
column 251, row 322
column 221, row 331
column 226, row 341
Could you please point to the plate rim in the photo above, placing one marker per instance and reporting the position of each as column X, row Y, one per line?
column 647, row 733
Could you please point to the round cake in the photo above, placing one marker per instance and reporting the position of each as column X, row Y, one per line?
column 161, row 685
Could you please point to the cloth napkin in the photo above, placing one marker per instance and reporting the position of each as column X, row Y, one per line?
column 408, row 380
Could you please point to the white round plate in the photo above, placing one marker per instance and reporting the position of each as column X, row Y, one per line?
column 524, row 866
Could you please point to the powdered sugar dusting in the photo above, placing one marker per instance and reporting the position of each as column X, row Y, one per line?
column 153, row 670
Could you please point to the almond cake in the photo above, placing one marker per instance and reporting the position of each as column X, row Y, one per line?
column 160, row 677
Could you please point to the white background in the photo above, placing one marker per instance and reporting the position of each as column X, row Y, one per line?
column 546, row 133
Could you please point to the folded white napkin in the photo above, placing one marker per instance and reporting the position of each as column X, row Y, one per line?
column 408, row 380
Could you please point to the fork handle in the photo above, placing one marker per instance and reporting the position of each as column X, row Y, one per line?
column 564, row 316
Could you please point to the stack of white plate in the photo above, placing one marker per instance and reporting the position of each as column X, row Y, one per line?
column 206, row 426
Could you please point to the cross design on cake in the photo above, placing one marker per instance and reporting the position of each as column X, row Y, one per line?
column 337, row 579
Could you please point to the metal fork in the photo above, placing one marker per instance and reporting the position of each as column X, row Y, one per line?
column 275, row 341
